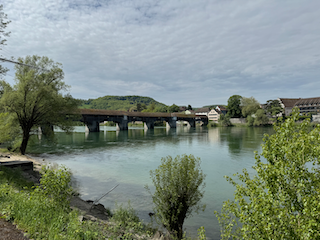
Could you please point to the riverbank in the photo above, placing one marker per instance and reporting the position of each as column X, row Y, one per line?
column 84, row 216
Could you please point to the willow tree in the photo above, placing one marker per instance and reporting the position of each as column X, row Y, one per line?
column 36, row 98
column 281, row 200
column 179, row 185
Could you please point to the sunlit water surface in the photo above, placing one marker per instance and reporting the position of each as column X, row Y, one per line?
column 99, row 161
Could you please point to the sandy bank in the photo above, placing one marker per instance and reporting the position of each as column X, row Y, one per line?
column 9, row 157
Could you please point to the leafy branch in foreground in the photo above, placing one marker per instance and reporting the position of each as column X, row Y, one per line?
column 282, row 199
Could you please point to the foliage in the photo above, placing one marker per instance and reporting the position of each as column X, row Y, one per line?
column 3, row 24
column 274, row 107
column 249, row 106
column 173, row 108
column 8, row 128
column 123, row 103
column 224, row 120
column 179, row 184
column 260, row 118
column 234, row 108
column 212, row 124
column 56, row 184
column 282, row 198
column 125, row 224
column 189, row 107
column 36, row 98
column 42, row 216
column 202, row 233
column 250, row 121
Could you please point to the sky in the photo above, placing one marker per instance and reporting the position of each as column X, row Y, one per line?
column 182, row 52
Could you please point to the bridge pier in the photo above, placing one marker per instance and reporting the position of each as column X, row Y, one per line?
column 45, row 129
column 92, row 126
column 149, row 124
column 191, row 123
column 171, row 122
column 122, row 124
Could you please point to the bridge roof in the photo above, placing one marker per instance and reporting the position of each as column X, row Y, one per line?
column 136, row 114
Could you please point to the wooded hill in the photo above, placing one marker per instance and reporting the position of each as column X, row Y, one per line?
column 124, row 103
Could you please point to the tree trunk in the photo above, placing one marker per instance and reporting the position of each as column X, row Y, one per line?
column 25, row 139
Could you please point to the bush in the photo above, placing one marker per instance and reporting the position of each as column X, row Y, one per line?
column 250, row 121
column 281, row 200
column 125, row 224
column 178, row 190
column 224, row 120
column 212, row 124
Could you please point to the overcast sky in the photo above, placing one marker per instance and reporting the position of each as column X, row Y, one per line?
column 179, row 51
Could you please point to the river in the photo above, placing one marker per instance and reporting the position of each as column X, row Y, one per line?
column 99, row 161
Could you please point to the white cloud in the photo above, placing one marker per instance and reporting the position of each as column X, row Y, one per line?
column 183, row 52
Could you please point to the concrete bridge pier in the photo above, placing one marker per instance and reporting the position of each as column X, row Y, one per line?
column 45, row 129
column 191, row 123
column 171, row 123
column 122, row 124
column 149, row 124
column 92, row 126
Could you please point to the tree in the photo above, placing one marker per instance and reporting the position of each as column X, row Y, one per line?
column 282, row 198
column 224, row 120
column 189, row 107
column 173, row 108
column 3, row 24
column 273, row 107
column 249, row 106
column 234, row 108
column 36, row 98
column 260, row 118
column 178, row 190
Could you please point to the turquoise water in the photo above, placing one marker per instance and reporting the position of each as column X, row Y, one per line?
column 99, row 161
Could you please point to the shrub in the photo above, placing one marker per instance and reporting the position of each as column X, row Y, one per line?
column 224, row 120
column 281, row 200
column 178, row 190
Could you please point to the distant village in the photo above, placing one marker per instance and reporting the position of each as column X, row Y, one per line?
column 306, row 105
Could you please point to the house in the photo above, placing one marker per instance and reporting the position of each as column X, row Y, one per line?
column 202, row 111
column 287, row 104
column 221, row 109
column 182, row 108
column 189, row 112
column 213, row 115
column 306, row 105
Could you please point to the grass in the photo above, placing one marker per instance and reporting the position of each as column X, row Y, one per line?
column 44, row 212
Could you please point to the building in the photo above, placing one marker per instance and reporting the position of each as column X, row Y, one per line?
column 306, row 105
column 287, row 104
column 202, row 111
column 221, row 110
column 213, row 115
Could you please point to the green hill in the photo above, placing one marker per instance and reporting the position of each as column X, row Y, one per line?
column 124, row 103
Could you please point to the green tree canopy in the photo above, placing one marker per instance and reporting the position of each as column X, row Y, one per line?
column 260, row 118
column 249, row 106
column 234, row 108
column 281, row 200
column 178, row 190
column 173, row 108
column 3, row 34
column 273, row 107
column 36, row 98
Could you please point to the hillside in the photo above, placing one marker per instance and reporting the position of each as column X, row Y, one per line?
column 123, row 103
